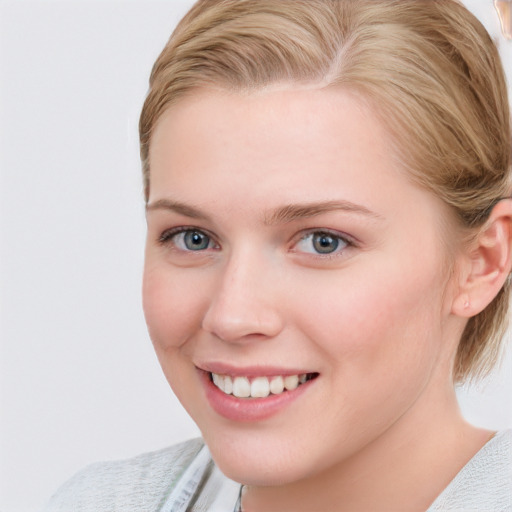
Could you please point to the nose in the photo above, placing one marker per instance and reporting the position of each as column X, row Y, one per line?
column 244, row 305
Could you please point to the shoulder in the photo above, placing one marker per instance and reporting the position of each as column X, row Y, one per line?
column 140, row 484
column 485, row 483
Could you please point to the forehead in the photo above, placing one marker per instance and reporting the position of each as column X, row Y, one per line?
column 274, row 130
column 275, row 147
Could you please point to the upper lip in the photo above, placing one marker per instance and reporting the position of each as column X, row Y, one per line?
column 249, row 371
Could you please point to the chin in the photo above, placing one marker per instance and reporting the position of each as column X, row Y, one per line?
column 263, row 473
column 251, row 459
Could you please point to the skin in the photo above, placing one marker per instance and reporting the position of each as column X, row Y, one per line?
column 380, row 428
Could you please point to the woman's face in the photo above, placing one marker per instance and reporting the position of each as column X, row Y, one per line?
column 285, row 244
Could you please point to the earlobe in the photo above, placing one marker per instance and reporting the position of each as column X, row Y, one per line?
column 487, row 263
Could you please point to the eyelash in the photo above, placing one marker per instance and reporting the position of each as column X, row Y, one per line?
column 347, row 241
column 167, row 237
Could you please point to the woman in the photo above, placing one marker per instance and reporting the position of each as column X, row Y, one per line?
column 328, row 253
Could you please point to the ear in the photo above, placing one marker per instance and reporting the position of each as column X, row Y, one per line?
column 487, row 263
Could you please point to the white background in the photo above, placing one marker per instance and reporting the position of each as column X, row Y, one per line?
column 78, row 378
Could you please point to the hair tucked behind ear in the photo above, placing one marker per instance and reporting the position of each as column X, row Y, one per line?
column 428, row 67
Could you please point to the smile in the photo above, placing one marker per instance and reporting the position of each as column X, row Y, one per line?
column 259, row 387
column 254, row 394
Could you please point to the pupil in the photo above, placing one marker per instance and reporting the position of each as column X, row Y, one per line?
column 196, row 241
column 325, row 244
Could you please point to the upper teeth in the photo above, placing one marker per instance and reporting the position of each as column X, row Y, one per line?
column 257, row 387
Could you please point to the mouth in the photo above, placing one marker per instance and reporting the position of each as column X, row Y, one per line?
column 259, row 386
column 254, row 393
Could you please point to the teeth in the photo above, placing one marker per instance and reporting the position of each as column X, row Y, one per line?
column 241, row 387
column 220, row 382
column 258, row 387
column 276, row 385
column 291, row 382
column 228, row 385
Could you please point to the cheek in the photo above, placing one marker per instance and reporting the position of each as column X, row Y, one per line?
column 392, row 313
column 377, row 335
column 173, row 305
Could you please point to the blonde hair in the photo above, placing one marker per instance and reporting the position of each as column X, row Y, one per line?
column 428, row 66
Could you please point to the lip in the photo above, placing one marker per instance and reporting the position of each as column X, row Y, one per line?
column 250, row 371
column 247, row 410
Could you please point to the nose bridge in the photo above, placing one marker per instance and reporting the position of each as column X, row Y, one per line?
column 243, row 304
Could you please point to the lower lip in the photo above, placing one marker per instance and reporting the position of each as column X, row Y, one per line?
column 249, row 409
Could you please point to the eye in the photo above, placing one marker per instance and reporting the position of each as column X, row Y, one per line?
column 188, row 239
column 321, row 242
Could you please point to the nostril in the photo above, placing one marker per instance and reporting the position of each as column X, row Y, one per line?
column 242, row 322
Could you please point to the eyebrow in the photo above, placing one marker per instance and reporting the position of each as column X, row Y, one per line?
column 281, row 215
column 292, row 212
column 177, row 207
